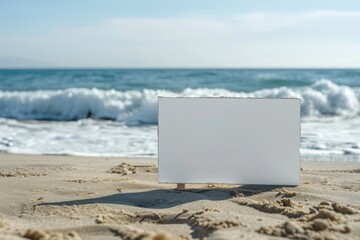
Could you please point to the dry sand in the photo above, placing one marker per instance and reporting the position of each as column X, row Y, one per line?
column 66, row 197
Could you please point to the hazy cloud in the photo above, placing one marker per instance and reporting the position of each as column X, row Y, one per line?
column 270, row 21
column 316, row 38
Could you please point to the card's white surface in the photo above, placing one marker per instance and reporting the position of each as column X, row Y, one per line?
column 229, row 140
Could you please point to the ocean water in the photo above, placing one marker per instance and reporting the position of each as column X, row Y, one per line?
column 113, row 112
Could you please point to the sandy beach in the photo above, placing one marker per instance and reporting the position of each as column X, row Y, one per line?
column 68, row 197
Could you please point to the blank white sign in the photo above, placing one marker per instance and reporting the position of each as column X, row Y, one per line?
column 229, row 140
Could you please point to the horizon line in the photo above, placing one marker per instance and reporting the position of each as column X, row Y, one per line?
column 180, row 68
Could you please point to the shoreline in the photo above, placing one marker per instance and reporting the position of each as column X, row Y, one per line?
column 77, row 197
column 305, row 158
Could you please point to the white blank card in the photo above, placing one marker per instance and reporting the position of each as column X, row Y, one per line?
column 229, row 140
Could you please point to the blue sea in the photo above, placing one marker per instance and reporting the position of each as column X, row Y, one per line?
column 113, row 112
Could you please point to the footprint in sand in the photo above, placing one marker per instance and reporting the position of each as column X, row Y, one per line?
column 134, row 233
column 106, row 214
column 323, row 221
column 40, row 234
column 125, row 169
column 4, row 225
column 33, row 171
column 208, row 221
column 22, row 172
column 284, row 206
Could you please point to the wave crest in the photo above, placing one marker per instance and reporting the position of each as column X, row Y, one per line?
column 323, row 98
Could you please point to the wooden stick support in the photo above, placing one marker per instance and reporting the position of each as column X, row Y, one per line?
column 180, row 186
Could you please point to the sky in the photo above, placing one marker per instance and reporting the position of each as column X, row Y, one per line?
column 179, row 33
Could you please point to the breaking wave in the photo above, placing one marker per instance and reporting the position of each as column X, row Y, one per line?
column 321, row 99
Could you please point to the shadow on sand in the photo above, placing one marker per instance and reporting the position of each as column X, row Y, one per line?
column 167, row 198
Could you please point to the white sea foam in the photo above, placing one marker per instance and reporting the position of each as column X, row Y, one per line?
column 323, row 98
column 85, row 137
column 330, row 120
column 335, row 137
